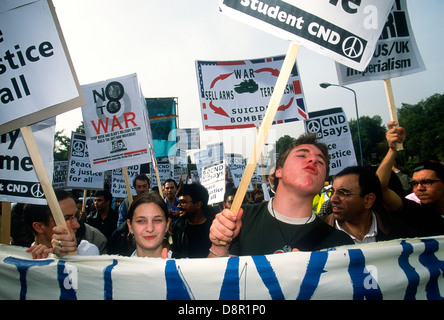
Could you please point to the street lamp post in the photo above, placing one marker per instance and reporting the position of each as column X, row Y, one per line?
column 325, row 85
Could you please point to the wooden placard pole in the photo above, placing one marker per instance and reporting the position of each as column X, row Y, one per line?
column 84, row 200
column 392, row 107
column 158, row 181
column 6, row 223
column 40, row 170
column 127, row 185
column 262, row 135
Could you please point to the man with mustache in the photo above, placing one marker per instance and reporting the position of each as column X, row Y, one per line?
column 285, row 223
column 356, row 201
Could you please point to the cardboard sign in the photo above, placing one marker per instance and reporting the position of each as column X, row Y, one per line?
column 188, row 138
column 181, row 158
column 213, row 153
column 404, row 269
column 235, row 94
column 236, row 164
column 115, row 123
column 59, row 174
column 332, row 128
column 213, row 179
column 118, row 187
column 80, row 175
column 37, row 79
column 18, row 178
column 345, row 31
column 164, row 171
column 396, row 52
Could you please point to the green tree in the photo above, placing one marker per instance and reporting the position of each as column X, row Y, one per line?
column 283, row 143
column 425, row 131
column 62, row 143
column 61, row 146
column 372, row 139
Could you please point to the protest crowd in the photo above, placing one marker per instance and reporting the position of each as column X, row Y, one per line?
column 313, row 198
column 364, row 205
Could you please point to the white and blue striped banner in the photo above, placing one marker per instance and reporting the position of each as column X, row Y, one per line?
column 399, row 269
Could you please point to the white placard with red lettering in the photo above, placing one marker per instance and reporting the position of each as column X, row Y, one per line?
column 116, row 124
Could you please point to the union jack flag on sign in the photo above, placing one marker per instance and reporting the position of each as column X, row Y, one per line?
column 235, row 94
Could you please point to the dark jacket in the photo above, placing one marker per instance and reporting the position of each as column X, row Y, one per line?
column 389, row 228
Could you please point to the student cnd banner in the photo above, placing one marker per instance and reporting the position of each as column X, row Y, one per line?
column 345, row 31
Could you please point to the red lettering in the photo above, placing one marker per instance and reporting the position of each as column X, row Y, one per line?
column 100, row 124
column 116, row 123
column 128, row 119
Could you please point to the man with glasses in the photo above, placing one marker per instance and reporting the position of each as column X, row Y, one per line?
column 428, row 185
column 356, row 199
column 50, row 238
column 191, row 230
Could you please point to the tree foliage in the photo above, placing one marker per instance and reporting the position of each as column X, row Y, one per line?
column 62, row 143
column 372, row 135
column 425, row 130
column 283, row 143
column 61, row 146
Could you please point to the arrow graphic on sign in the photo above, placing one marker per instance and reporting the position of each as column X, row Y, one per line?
column 218, row 110
column 274, row 72
column 285, row 106
column 221, row 77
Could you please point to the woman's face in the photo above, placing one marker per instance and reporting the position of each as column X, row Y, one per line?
column 149, row 226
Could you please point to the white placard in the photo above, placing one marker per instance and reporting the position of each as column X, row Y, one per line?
column 345, row 31
column 115, row 123
column 59, row 174
column 188, row 138
column 235, row 94
column 18, row 178
column 332, row 128
column 37, row 80
column 80, row 175
column 396, row 52
column 213, row 179
column 236, row 164
column 118, row 187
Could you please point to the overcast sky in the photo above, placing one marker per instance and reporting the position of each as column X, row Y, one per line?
column 160, row 41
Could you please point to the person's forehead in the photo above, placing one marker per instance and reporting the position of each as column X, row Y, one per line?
column 348, row 181
column 185, row 197
column 68, row 206
column 169, row 185
column 141, row 182
column 307, row 148
column 425, row 174
column 148, row 210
